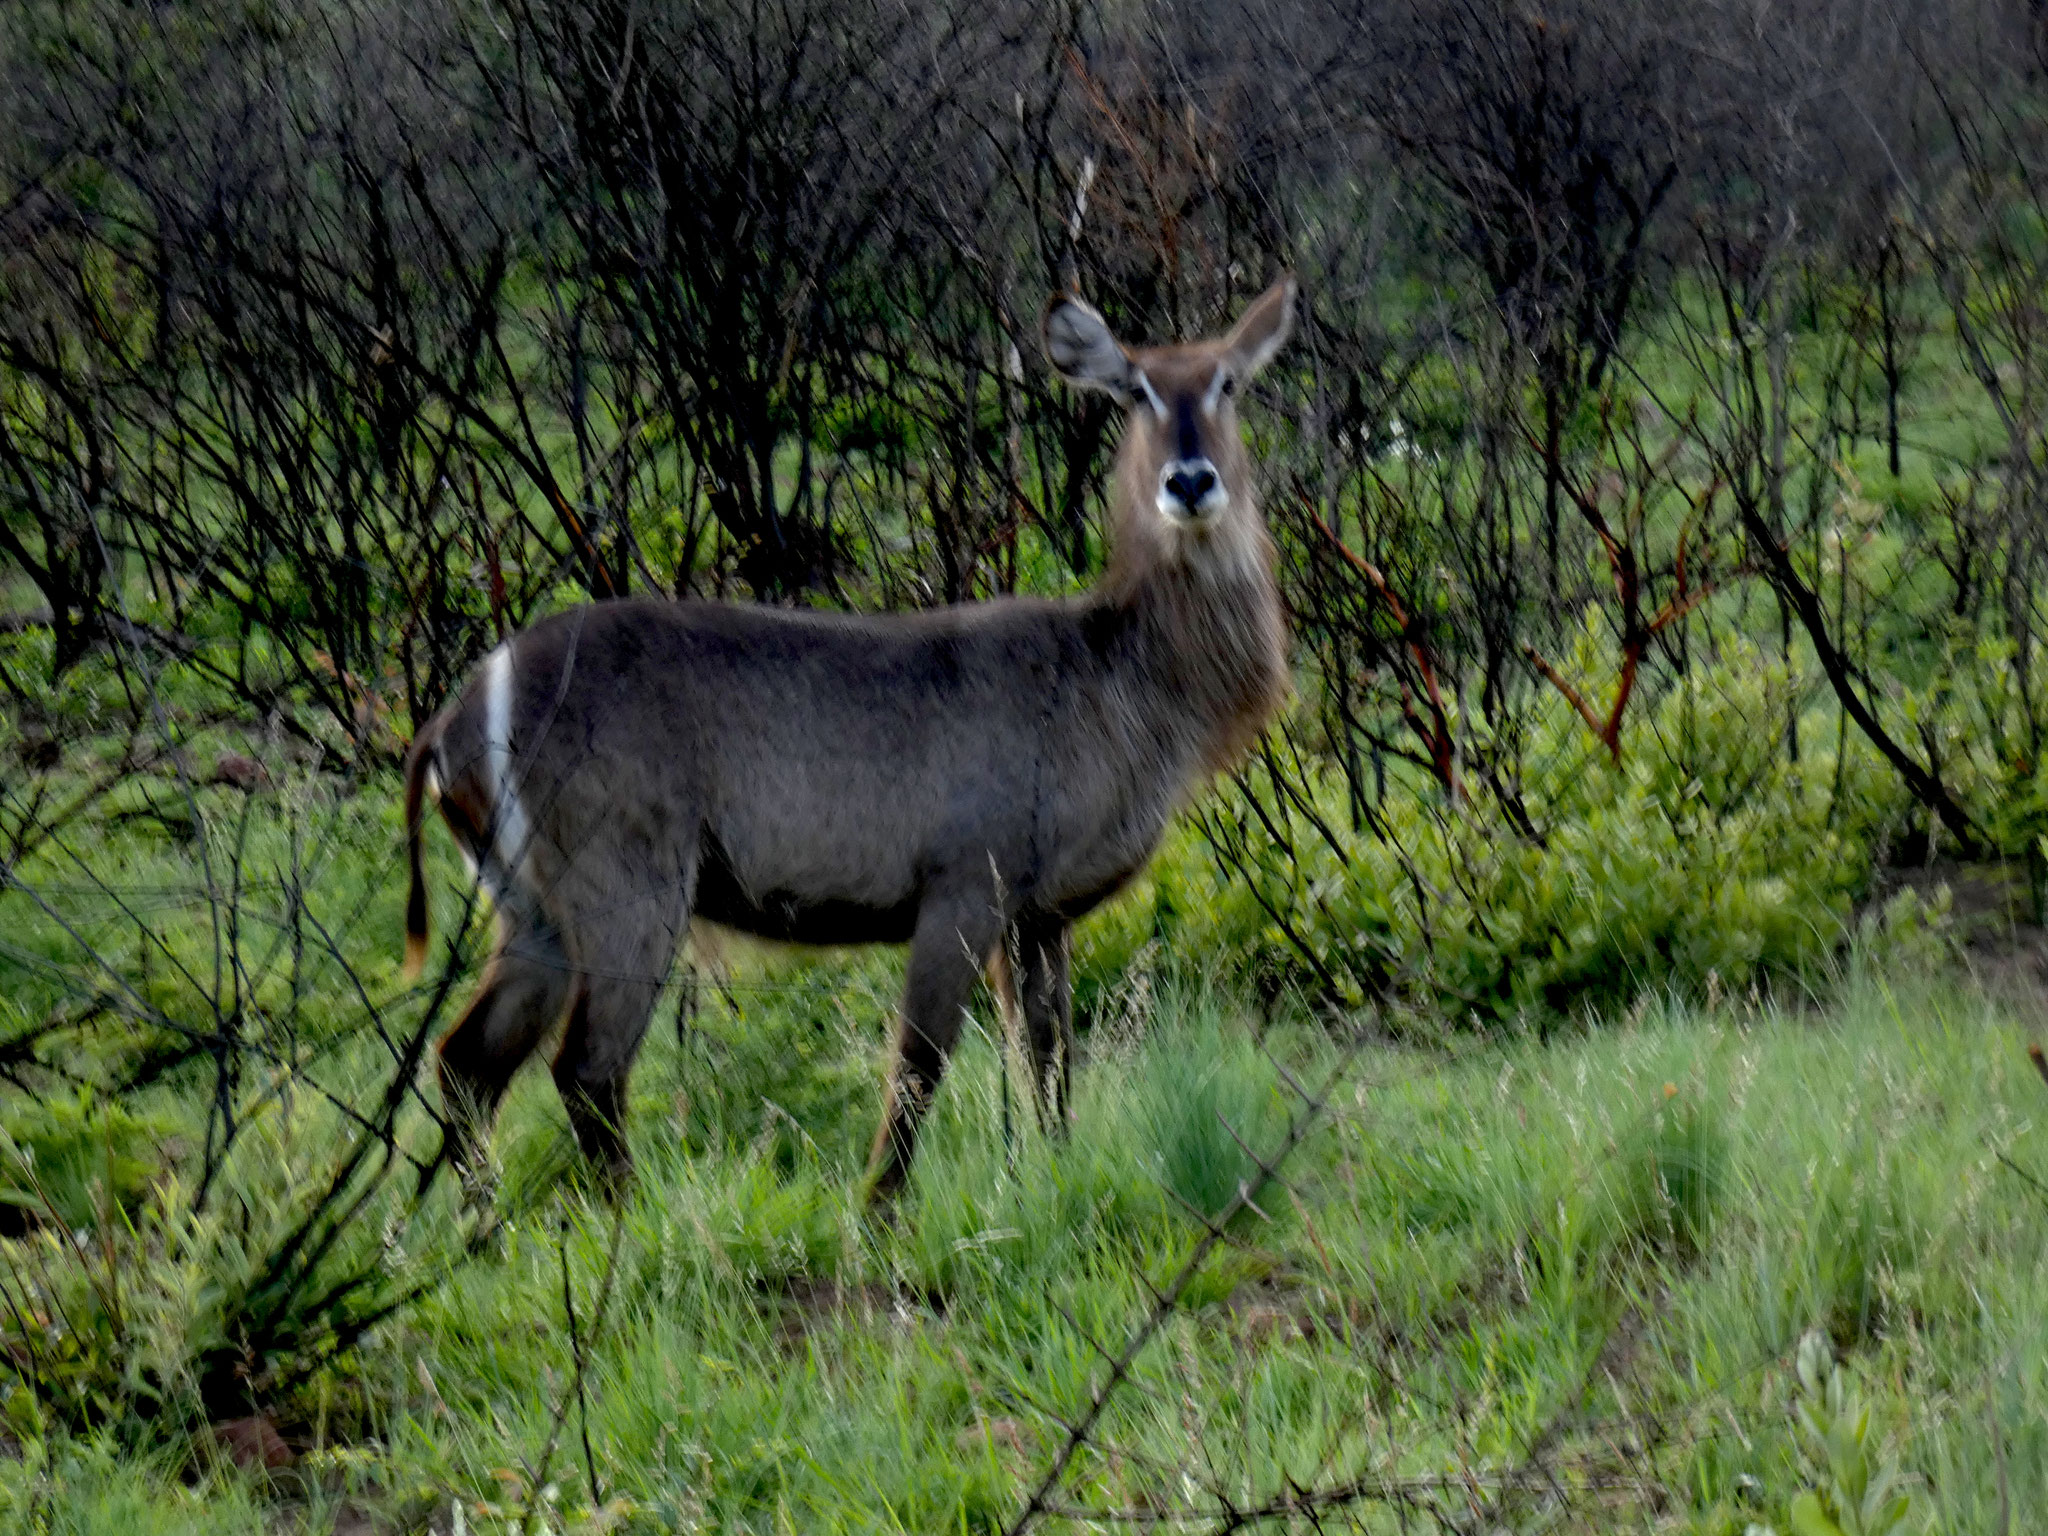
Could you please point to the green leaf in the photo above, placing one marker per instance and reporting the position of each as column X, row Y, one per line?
column 1886, row 1517
column 1809, row 1518
column 1813, row 1423
column 1851, row 1467
column 1874, row 1498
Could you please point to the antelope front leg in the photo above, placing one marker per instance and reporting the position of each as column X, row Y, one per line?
column 947, row 953
column 1046, row 993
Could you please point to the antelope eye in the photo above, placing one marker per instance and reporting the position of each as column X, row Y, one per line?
column 1229, row 385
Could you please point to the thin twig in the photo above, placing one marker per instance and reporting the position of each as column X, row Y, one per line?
column 1166, row 1300
column 538, row 1475
column 576, row 1351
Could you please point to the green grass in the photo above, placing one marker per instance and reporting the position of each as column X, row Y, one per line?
column 1608, row 1245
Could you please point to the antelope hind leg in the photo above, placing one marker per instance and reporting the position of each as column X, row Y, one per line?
column 624, row 980
column 522, row 996
column 594, row 1066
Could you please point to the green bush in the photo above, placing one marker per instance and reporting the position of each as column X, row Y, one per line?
column 1858, row 1490
column 1703, row 861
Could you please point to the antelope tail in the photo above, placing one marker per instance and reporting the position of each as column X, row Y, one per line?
column 418, row 764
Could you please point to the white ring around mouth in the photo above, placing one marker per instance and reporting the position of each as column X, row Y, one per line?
column 1174, row 510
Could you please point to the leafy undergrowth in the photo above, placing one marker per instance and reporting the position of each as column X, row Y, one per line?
column 1562, row 1286
column 1702, row 858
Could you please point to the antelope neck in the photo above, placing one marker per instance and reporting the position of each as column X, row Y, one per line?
column 1206, row 644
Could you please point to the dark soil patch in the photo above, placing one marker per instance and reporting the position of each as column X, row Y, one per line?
column 809, row 1303
column 1992, row 913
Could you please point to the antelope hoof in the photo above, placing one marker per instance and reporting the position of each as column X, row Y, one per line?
column 612, row 1178
column 885, row 1182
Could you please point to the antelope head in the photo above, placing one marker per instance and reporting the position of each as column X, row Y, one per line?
column 1183, row 457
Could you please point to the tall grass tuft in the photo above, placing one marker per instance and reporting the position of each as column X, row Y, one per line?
column 1208, row 1102
column 1670, row 1176
column 1856, row 1238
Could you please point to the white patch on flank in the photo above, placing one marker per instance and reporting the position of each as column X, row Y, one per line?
column 508, row 815
column 1151, row 394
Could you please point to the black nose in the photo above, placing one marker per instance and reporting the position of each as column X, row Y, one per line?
column 1188, row 487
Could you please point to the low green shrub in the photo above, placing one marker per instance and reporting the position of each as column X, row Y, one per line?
column 164, row 1308
column 1702, row 861
column 72, row 1159
column 1857, row 1489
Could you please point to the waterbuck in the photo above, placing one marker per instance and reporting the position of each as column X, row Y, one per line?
column 969, row 780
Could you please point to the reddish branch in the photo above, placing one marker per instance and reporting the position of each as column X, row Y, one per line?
column 1636, row 632
column 1563, row 685
column 1152, row 169
column 1436, row 732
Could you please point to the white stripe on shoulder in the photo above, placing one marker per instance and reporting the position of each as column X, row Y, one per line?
column 508, row 815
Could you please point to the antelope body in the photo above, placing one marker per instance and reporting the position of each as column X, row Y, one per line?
column 969, row 781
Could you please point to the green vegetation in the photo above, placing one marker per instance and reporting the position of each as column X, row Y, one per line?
column 1705, row 858
column 1564, row 1279
column 1570, row 1278
column 1656, row 483
column 1669, row 1113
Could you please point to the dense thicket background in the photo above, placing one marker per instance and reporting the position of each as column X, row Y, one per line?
column 1641, row 354
column 1660, row 475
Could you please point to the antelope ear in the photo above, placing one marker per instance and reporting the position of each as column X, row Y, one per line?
column 1079, row 345
column 1262, row 330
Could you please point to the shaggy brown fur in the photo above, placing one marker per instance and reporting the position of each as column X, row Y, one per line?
column 966, row 780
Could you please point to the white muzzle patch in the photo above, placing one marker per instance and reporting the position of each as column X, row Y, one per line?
column 1190, row 491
